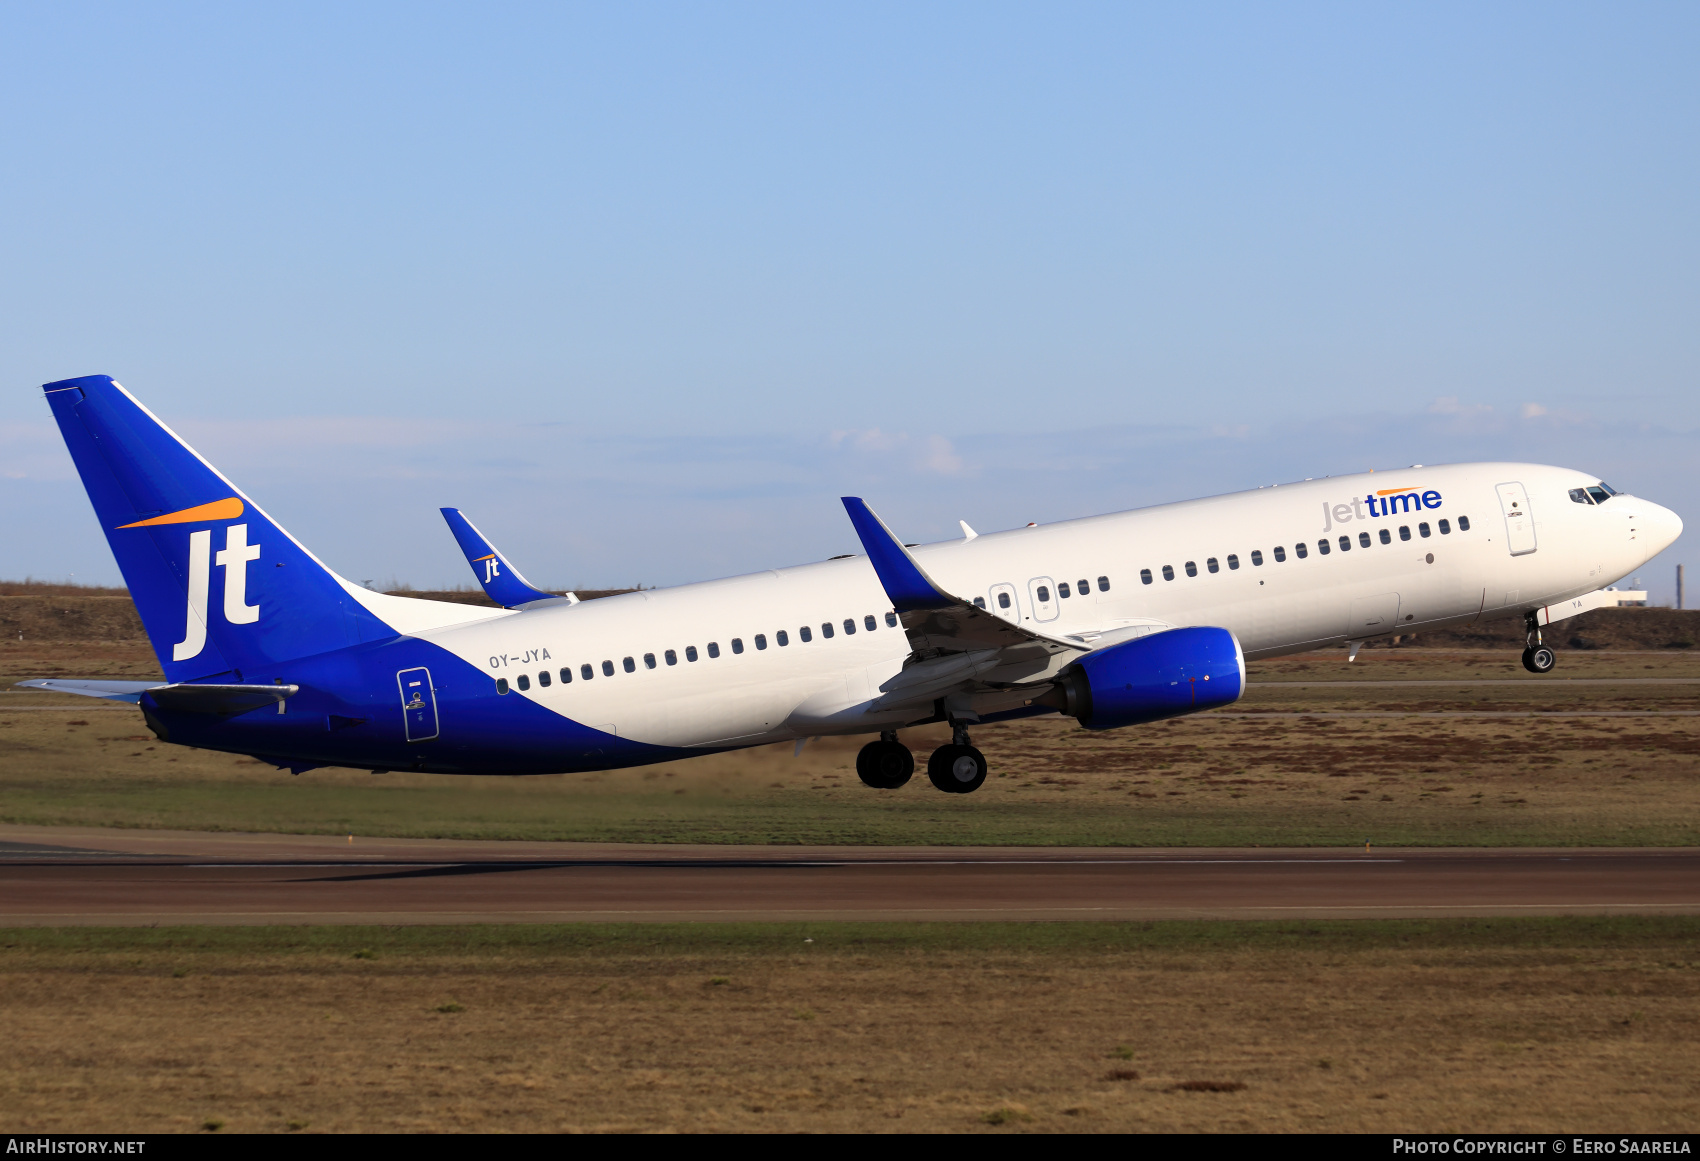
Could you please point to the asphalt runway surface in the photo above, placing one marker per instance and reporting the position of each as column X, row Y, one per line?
column 76, row 876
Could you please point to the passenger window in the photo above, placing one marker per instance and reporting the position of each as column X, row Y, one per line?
column 1422, row 529
column 1212, row 565
column 1601, row 495
column 849, row 626
column 1299, row 550
column 543, row 679
column 1145, row 576
column 586, row 672
column 1103, row 584
column 826, row 628
column 1168, row 572
column 501, row 685
column 649, row 661
column 607, row 669
column 1446, row 528
column 671, row 657
column 870, row 624
column 566, row 675
column 1062, row 589
column 1256, row 558
column 1191, row 568
column 1363, row 540
column 1044, row 594
column 761, row 640
column 1003, row 603
column 1280, row 554
column 979, row 603
column 1083, row 589
column 1404, row 532
column 1345, row 544
column 806, row 634
column 1463, row 523
column 782, row 638
column 737, row 644
column 1386, row 536
column 628, row 665
column 690, row 653
column 713, row 649
column 1322, row 546
column 523, row 682
column 891, row 620
column 1580, row 496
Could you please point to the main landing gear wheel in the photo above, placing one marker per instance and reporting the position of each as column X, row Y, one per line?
column 957, row 769
column 885, row 764
column 1539, row 659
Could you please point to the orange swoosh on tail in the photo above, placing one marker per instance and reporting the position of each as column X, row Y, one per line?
column 226, row 509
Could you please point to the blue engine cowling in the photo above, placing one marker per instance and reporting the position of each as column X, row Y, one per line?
column 1165, row 675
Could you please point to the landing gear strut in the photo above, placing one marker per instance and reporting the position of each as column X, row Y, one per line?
column 885, row 764
column 1537, row 658
column 957, row 768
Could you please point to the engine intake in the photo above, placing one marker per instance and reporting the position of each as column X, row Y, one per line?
column 1165, row 675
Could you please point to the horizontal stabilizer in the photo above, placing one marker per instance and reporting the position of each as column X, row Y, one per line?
column 501, row 580
column 130, row 691
column 224, row 700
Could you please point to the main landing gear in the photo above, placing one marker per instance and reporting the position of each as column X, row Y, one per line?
column 1537, row 658
column 956, row 768
column 885, row 764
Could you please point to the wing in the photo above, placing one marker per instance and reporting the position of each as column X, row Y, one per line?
column 501, row 580
column 957, row 646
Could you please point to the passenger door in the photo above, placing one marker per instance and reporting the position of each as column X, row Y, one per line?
column 1043, row 591
column 418, row 704
column 1519, row 523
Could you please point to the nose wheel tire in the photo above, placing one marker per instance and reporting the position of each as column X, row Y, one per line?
column 1539, row 659
column 885, row 765
column 957, row 769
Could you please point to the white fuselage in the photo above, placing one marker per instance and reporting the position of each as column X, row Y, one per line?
column 768, row 691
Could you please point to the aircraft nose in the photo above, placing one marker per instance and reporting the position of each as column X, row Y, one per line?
column 1659, row 528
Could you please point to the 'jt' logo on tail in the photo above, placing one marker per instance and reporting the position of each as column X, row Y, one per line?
column 233, row 558
column 492, row 569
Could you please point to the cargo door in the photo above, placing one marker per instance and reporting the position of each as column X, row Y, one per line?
column 418, row 704
column 1519, row 523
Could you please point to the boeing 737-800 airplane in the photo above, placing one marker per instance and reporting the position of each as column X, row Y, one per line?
column 1113, row 620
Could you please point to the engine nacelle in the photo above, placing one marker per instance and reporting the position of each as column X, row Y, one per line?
column 1165, row 675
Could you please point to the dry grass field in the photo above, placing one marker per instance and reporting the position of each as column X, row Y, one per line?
column 1318, row 753
column 1515, row 1025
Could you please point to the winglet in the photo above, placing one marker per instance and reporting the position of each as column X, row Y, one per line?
column 501, row 580
column 906, row 583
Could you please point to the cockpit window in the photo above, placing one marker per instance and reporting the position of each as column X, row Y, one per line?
column 1609, row 490
column 1600, row 494
column 1580, row 496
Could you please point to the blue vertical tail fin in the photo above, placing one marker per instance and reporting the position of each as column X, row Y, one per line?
column 219, row 586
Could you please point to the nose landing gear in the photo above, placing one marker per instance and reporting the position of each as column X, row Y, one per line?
column 1537, row 658
column 885, row 764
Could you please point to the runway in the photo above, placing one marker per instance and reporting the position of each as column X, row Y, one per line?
column 74, row 876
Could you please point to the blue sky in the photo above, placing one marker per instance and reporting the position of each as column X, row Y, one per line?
column 644, row 288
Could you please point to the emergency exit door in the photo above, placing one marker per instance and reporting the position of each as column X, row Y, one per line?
column 418, row 704
column 1519, row 522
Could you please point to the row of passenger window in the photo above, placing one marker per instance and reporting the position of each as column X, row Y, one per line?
column 1301, row 550
column 1043, row 592
column 587, row 672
